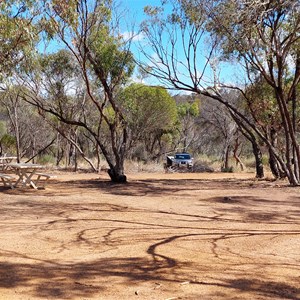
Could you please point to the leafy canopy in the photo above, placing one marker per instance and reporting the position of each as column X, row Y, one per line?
column 19, row 32
column 150, row 108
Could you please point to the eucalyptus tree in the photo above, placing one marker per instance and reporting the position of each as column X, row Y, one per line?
column 19, row 33
column 89, row 30
column 263, row 36
column 261, row 105
column 2, row 137
column 29, row 134
column 152, row 118
column 58, row 77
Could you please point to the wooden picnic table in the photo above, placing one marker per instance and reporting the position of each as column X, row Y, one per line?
column 25, row 171
column 5, row 160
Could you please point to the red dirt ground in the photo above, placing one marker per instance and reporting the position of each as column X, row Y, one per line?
column 161, row 236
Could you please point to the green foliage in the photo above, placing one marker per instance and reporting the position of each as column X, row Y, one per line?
column 18, row 33
column 255, row 30
column 152, row 10
column 149, row 109
column 188, row 109
column 59, row 72
column 109, row 113
column 116, row 64
column 8, row 142
column 227, row 170
column 2, row 128
column 262, row 103
column 46, row 159
column 59, row 65
column 67, row 10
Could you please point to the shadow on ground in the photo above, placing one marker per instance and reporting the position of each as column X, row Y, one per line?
column 146, row 187
column 49, row 279
column 68, row 279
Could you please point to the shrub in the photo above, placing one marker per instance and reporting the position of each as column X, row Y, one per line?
column 46, row 159
column 227, row 170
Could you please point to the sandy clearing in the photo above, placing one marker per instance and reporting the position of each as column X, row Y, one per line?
column 161, row 236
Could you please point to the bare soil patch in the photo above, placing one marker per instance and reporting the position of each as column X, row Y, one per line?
column 161, row 236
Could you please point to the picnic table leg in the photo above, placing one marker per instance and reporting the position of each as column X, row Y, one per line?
column 6, row 164
column 29, row 181
column 25, row 178
column 20, row 179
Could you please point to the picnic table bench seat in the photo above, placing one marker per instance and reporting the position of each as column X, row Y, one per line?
column 43, row 178
column 7, row 180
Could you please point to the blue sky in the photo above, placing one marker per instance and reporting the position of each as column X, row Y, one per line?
column 229, row 72
column 138, row 5
column 135, row 15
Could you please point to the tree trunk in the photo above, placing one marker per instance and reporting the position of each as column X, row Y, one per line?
column 17, row 133
column 272, row 159
column 57, row 150
column 259, row 167
column 273, row 165
column 249, row 135
column 75, row 152
column 236, row 155
column 33, row 149
column 225, row 164
column 116, row 175
column 273, row 162
column 98, row 158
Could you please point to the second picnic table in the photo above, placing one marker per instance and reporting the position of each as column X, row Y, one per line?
column 25, row 171
column 5, row 161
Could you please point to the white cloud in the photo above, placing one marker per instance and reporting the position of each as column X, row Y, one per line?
column 132, row 36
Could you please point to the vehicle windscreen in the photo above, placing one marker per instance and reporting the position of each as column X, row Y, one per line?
column 182, row 156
